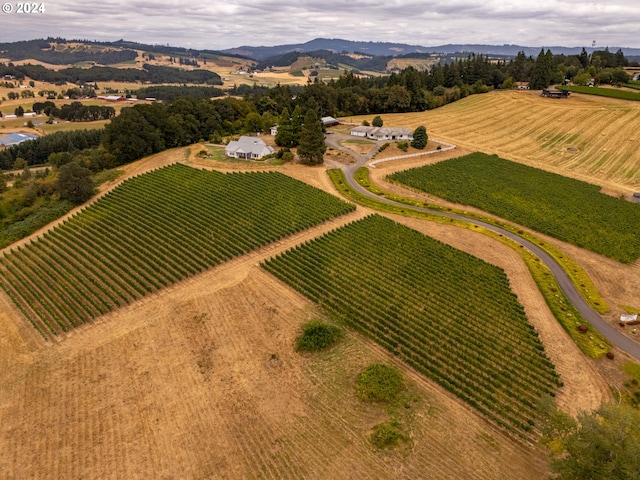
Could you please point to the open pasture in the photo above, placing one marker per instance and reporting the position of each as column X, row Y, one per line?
column 564, row 208
column 447, row 314
column 586, row 137
column 152, row 231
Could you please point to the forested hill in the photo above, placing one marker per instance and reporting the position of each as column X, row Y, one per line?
column 376, row 63
column 49, row 51
column 396, row 49
column 60, row 51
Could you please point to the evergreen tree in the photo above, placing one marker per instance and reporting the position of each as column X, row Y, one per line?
column 377, row 121
column 420, row 138
column 311, row 149
column 285, row 136
column 297, row 120
column 542, row 69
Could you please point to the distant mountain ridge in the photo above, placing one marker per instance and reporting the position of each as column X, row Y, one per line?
column 397, row 49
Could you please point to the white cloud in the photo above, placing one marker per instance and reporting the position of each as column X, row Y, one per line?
column 224, row 24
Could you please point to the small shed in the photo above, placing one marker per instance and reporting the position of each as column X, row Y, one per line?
column 329, row 121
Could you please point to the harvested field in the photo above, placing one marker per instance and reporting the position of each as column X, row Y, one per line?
column 586, row 137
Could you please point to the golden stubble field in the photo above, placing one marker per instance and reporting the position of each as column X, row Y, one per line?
column 591, row 138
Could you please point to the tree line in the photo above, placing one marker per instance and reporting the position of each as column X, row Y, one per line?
column 148, row 74
column 75, row 111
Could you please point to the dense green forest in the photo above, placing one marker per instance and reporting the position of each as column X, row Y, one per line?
column 149, row 74
column 171, row 92
column 36, row 152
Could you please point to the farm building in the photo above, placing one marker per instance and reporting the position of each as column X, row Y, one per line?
column 111, row 98
column 251, row 148
column 555, row 93
column 523, row 86
column 329, row 121
column 383, row 133
column 274, row 130
column 15, row 138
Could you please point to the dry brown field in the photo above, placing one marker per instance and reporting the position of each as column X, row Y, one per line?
column 587, row 137
column 417, row 63
column 201, row 381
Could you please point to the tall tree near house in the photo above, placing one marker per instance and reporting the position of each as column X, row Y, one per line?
column 377, row 121
column 285, row 136
column 297, row 120
column 311, row 149
column 420, row 138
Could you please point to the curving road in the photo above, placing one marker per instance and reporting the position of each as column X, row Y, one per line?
column 614, row 336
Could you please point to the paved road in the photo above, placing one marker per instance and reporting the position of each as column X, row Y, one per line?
column 614, row 336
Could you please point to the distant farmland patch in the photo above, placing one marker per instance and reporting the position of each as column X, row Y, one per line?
column 603, row 92
column 152, row 231
column 564, row 208
column 449, row 315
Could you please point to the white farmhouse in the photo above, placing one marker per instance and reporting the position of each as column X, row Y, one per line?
column 383, row 133
column 249, row 148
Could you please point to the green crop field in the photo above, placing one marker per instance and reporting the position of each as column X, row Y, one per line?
column 152, row 231
column 564, row 208
column 602, row 92
column 449, row 315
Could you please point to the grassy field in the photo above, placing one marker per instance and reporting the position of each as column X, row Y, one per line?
column 152, row 232
column 449, row 315
column 564, row 208
column 587, row 137
column 603, row 92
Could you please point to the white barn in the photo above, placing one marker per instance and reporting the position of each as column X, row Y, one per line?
column 383, row 133
column 248, row 148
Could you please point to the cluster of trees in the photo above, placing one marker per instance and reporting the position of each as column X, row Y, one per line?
column 75, row 111
column 171, row 92
column 36, row 152
column 145, row 129
column 23, row 94
column 600, row 445
column 332, row 59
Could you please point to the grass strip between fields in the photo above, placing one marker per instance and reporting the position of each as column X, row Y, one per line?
column 602, row 92
column 592, row 343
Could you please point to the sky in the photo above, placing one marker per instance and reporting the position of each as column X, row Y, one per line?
column 219, row 24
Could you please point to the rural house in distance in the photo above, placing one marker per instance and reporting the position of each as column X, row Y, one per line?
column 248, row 148
column 383, row 133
